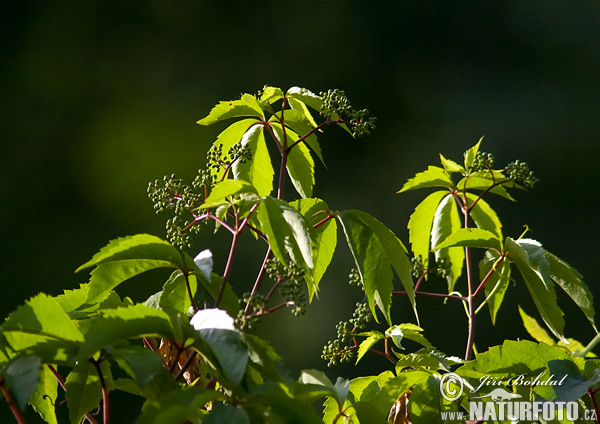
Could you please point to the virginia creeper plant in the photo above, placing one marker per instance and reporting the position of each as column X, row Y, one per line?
column 189, row 351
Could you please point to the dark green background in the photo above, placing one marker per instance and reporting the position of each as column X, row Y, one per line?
column 98, row 98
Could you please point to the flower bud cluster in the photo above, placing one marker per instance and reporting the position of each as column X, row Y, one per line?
column 483, row 161
column 256, row 305
column 442, row 267
column 291, row 284
column 342, row 348
column 336, row 102
column 520, row 173
column 218, row 162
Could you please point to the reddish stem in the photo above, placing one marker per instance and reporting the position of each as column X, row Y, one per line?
column 591, row 394
column 105, row 403
column 11, row 403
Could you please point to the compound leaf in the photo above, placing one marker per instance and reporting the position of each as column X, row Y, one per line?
column 44, row 397
column 83, row 388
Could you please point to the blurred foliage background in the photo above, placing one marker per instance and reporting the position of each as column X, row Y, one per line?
column 99, row 98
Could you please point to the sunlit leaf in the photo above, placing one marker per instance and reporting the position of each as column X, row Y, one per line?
column 113, row 325
column 497, row 284
column 544, row 297
column 434, row 176
column 84, row 390
column 470, row 155
column 571, row 281
column 43, row 399
column 450, row 166
column 406, row 331
column 259, row 170
column 246, row 106
column 534, row 329
column 471, row 237
column 226, row 189
column 446, row 221
column 306, row 96
column 420, row 224
column 289, row 235
column 367, row 344
column 371, row 261
column 271, row 94
column 484, row 216
column 325, row 235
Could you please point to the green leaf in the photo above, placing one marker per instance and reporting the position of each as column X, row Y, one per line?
column 301, row 127
column 259, row 170
column 571, row 281
column 43, row 399
column 300, row 106
column 229, row 301
column 287, row 233
column 534, row 329
column 271, row 94
column 227, row 414
column 425, row 358
column 127, row 257
column 325, row 235
column 143, row 365
column 446, row 221
column 434, row 176
column 300, row 164
column 139, row 246
column 574, row 385
column 426, row 401
column 482, row 181
column 450, row 166
column 395, row 252
column 470, row 155
column 371, row 261
column 226, row 189
column 83, row 388
column 544, row 297
column 306, row 96
column 406, row 331
column 246, row 106
column 264, row 358
column 23, row 375
column 113, row 325
column 484, row 216
column 497, row 283
column 512, row 358
column 274, row 404
column 392, row 388
column 174, row 296
column 471, row 237
column 420, row 224
column 41, row 315
column 178, row 406
column 230, row 351
column 367, row 344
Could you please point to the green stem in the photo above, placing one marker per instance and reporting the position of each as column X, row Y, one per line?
column 591, row 345
column 421, row 293
column 11, row 403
